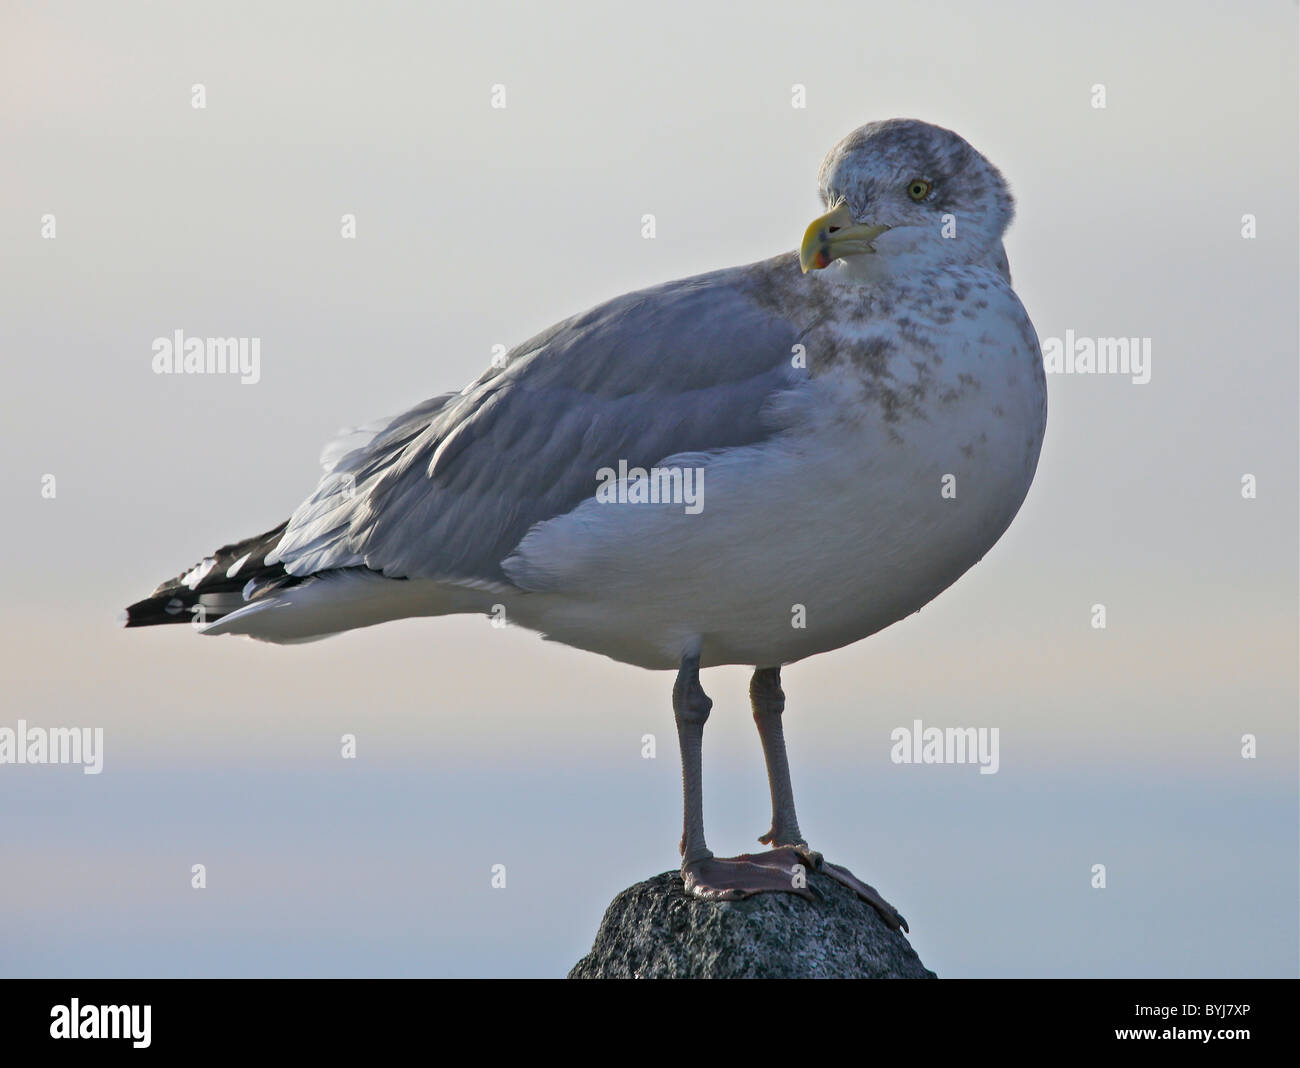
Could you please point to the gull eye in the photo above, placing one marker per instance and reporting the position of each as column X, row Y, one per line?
column 919, row 189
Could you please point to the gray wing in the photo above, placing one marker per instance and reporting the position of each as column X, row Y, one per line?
column 448, row 489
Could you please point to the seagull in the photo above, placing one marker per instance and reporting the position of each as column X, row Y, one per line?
column 749, row 466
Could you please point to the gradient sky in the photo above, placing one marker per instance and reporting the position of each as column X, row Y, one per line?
column 479, row 227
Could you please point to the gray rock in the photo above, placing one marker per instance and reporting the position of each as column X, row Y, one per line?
column 653, row 930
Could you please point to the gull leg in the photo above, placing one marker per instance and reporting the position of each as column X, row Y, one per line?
column 768, row 702
column 691, row 707
column 706, row 876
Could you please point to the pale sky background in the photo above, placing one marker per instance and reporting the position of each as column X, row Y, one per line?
column 477, row 227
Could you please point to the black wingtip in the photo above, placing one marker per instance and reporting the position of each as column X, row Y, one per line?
column 227, row 571
column 153, row 612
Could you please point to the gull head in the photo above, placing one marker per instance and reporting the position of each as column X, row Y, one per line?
column 902, row 187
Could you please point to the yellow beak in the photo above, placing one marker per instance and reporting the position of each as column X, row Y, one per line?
column 835, row 235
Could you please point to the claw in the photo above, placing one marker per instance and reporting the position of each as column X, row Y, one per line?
column 892, row 917
column 734, row 878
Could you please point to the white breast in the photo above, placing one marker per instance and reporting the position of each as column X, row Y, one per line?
column 841, row 524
